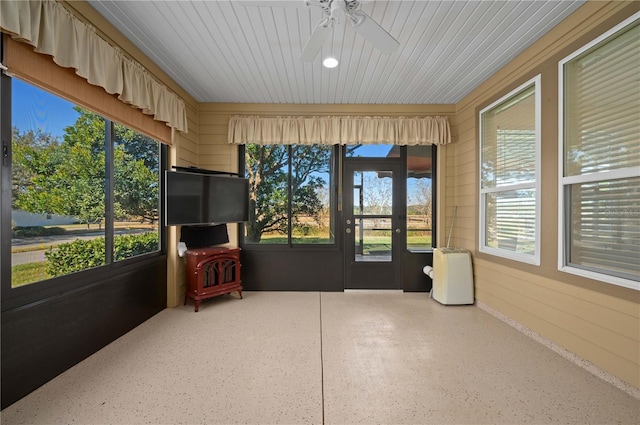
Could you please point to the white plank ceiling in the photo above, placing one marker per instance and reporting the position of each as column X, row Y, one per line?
column 224, row 51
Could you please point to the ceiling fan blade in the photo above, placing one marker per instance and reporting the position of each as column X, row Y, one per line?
column 315, row 42
column 372, row 32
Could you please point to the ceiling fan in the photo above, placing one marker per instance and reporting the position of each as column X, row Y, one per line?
column 333, row 12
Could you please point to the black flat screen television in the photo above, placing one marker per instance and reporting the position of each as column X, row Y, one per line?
column 193, row 198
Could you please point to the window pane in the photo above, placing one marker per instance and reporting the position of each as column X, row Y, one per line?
column 510, row 221
column 58, row 180
column 605, row 227
column 509, row 146
column 602, row 106
column 311, row 194
column 419, row 198
column 267, row 168
column 290, row 190
column 509, row 141
column 136, row 160
column 601, row 162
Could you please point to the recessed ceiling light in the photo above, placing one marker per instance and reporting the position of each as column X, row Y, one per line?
column 330, row 62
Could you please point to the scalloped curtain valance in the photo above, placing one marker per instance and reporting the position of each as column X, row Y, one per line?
column 53, row 30
column 338, row 130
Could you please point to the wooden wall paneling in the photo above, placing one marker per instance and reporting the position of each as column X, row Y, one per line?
column 43, row 339
column 597, row 321
column 601, row 357
column 543, row 290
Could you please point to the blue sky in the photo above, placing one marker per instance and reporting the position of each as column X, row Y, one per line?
column 373, row 150
column 34, row 108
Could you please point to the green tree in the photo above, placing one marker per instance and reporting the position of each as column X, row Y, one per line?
column 137, row 146
column 32, row 155
column 267, row 168
column 136, row 167
column 135, row 188
column 68, row 177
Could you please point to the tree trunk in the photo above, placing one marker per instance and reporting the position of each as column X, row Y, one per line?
column 254, row 233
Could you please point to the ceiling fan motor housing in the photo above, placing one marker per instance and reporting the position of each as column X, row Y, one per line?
column 333, row 10
column 344, row 6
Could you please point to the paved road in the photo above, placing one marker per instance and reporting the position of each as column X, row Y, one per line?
column 37, row 256
column 27, row 257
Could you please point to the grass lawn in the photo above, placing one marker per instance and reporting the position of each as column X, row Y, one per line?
column 279, row 239
column 23, row 274
column 371, row 243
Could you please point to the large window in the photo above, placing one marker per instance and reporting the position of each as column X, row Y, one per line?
column 600, row 158
column 290, row 199
column 510, row 175
column 84, row 190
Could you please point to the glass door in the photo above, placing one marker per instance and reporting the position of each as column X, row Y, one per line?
column 374, row 225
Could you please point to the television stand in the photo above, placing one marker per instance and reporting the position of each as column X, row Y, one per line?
column 212, row 272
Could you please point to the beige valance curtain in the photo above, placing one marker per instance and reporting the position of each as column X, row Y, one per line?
column 53, row 30
column 342, row 130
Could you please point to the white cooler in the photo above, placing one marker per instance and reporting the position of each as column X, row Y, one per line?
column 452, row 276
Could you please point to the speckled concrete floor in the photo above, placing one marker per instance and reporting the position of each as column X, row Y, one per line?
column 367, row 357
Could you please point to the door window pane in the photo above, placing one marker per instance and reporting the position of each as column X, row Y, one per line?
column 374, row 191
column 373, row 239
column 373, row 196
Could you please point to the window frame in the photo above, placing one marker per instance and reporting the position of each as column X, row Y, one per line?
column 564, row 183
column 15, row 297
column 534, row 259
column 334, row 210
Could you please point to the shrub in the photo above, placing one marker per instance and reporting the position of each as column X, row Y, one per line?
column 31, row 231
column 84, row 254
column 75, row 256
column 302, row 229
column 126, row 246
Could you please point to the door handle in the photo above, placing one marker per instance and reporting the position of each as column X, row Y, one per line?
column 348, row 230
column 397, row 230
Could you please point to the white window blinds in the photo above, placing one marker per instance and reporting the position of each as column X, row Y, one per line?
column 600, row 161
column 509, row 158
